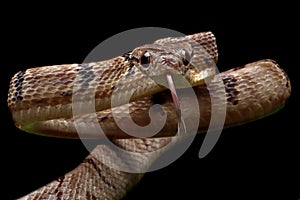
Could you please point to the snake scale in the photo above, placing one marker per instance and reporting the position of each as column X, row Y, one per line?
column 40, row 100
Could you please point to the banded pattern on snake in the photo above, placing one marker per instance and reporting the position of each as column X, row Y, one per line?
column 40, row 102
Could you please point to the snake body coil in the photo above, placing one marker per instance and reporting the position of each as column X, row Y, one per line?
column 40, row 100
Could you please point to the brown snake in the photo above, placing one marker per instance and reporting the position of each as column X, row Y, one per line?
column 40, row 100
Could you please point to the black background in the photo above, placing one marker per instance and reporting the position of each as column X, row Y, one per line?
column 257, row 160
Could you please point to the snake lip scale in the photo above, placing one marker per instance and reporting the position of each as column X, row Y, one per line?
column 40, row 101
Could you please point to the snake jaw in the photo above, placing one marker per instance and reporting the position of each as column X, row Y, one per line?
column 197, row 77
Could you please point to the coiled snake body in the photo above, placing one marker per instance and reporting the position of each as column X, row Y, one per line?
column 40, row 100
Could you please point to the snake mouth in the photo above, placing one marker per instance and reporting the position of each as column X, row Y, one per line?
column 178, row 80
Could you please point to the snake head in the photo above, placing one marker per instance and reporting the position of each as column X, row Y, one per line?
column 180, row 60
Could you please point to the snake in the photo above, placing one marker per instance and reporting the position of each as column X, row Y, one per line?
column 40, row 101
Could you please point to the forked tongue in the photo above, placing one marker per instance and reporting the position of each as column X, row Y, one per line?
column 181, row 125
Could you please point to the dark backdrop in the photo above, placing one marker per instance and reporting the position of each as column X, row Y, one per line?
column 257, row 160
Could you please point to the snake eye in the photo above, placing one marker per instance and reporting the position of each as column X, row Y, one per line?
column 145, row 59
column 187, row 57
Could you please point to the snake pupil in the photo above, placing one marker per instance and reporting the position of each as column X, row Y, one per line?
column 187, row 57
column 185, row 62
column 145, row 59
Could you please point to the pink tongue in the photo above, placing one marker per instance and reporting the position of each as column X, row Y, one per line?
column 181, row 125
column 174, row 95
